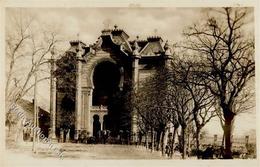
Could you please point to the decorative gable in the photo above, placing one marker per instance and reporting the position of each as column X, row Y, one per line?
column 152, row 49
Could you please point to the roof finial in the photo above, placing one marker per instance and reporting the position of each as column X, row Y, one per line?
column 115, row 26
column 168, row 49
column 136, row 47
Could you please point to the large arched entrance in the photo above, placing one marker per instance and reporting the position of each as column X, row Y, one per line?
column 106, row 79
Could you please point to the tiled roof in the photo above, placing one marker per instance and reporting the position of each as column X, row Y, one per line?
column 28, row 107
column 151, row 47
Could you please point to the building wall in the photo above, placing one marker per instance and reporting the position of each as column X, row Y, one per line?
column 127, row 64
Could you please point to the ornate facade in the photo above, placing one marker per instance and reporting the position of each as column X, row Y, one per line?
column 110, row 65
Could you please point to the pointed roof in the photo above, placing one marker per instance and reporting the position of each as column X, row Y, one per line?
column 150, row 47
column 28, row 108
column 76, row 45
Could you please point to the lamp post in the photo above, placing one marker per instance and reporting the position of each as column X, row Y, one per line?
column 52, row 134
column 34, row 149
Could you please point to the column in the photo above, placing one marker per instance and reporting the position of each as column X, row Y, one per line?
column 121, row 82
column 78, row 96
column 135, row 65
column 87, row 100
column 135, row 78
column 215, row 139
column 247, row 142
column 101, row 120
column 88, row 114
column 91, row 124
column 52, row 134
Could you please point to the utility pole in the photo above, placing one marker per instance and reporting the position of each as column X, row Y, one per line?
column 35, row 138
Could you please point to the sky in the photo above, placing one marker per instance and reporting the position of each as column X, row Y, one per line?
column 86, row 24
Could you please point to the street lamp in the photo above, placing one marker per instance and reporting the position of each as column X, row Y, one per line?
column 34, row 149
column 52, row 133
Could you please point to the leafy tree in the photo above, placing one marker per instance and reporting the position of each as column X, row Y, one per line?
column 66, row 83
column 66, row 74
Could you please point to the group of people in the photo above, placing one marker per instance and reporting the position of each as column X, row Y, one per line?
column 209, row 152
column 100, row 137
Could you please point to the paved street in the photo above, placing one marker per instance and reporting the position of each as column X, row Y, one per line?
column 100, row 151
column 24, row 155
column 81, row 155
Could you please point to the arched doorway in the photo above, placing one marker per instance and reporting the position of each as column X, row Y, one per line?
column 96, row 125
column 105, row 122
column 106, row 79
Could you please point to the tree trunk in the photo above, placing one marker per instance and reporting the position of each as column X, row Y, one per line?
column 163, row 142
column 140, row 139
column 188, row 143
column 152, row 140
column 184, row 147
column 223, row 140
column 228, row 141
column 229, row 117
column 146, row 141
column 173, row 141
column 198, row 142
column 160, row 140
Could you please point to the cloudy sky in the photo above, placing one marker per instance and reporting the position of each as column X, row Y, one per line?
column 168, row 23
column 88, row 22
column 165, row 22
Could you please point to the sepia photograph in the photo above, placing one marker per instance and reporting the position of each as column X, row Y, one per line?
column 129, row 83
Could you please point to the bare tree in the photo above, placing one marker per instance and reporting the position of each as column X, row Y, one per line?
column 27, row 49
column 150, row 103
column 227, row 61
column 203, row 102
column 182, row 104
column 142, row 104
